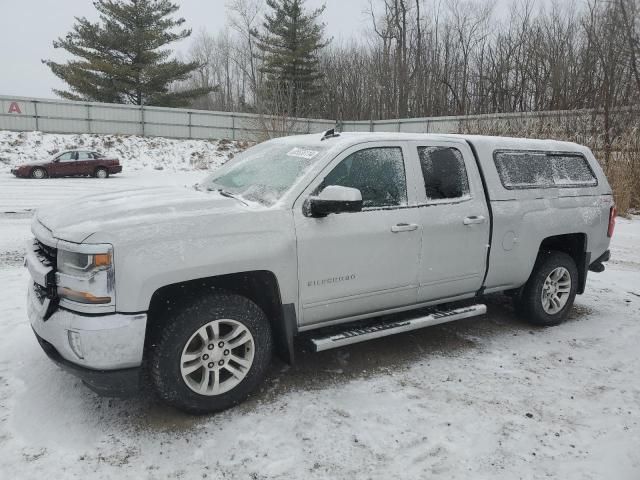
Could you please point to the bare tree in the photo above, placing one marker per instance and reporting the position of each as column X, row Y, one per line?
column 437, row 57
column 244, row 18
column 630, row 15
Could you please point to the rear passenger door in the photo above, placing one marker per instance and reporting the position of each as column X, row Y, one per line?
column 454, row 217
column 84, row 165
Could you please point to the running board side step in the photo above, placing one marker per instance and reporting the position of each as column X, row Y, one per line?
column 384, row 329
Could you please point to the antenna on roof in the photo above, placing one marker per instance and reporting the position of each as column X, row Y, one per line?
column 331, row 133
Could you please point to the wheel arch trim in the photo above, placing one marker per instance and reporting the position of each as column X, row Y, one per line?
column 260, row 286
column 575, row 245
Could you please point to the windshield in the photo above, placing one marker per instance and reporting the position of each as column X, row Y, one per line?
column 266, row 172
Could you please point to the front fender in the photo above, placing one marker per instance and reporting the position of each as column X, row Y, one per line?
column 177, row 252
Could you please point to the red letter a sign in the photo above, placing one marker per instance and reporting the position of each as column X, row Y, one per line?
column 14, row 108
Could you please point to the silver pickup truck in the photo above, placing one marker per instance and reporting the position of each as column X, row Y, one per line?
column 313, row 236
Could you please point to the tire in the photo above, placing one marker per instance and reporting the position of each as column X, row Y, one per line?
column 551, row 289
column 38, row 173
column 101, row 173
column 180, row 359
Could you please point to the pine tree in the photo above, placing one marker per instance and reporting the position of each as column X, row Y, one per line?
column 289, row 49
column 121, row 57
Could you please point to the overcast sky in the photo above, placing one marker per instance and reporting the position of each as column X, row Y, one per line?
column 29, row 26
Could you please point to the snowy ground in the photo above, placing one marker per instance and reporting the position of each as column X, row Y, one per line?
column 485, row 398
column 24, row 194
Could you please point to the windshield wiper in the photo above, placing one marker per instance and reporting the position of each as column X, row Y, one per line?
column 228, row 194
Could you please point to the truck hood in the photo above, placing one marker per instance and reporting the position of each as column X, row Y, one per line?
column 77, row 220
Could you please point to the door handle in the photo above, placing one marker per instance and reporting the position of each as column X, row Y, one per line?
column 404, row 227
column 474, row 219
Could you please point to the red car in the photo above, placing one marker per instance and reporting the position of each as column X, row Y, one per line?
column 70, row 163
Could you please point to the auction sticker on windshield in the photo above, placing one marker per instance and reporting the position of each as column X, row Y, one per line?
column 302, row 153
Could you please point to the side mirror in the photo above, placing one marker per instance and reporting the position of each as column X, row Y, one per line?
column 334, row 199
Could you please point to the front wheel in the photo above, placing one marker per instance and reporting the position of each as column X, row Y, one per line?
column 549, row 293
column 38, row 173
column 212, row 354
column 101, row 173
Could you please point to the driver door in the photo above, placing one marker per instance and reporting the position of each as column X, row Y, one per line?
column 65, row 164
column 356, row 263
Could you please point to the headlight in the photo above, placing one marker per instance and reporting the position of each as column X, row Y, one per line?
column 85, row 276
column 82, row 264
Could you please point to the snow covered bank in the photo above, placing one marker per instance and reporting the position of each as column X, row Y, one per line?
column 147, row 161
column 135, row 153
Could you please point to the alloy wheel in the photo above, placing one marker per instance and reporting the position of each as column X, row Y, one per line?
column 556, row 290
column 217, row 357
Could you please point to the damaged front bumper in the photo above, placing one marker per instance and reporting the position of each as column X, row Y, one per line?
column 105, row 351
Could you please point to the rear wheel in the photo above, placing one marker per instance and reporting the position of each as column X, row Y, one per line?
column 548, row 296
column 212, row 354
column 101, row 173
column 38, row 173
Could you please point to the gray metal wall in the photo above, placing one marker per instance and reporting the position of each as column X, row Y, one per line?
column 578, row 120
column 60, row 116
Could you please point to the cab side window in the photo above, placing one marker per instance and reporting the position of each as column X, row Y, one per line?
column 445, row 176
column 85, row 156
column 377, row 172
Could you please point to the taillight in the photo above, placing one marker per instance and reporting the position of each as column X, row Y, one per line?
column 613, row 212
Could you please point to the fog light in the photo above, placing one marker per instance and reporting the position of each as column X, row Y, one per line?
column 75, row 344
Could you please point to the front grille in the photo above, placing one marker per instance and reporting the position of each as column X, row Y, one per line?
column 49, row 255
column 40, row 291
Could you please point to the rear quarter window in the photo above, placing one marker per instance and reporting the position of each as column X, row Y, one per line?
column 532, row 169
